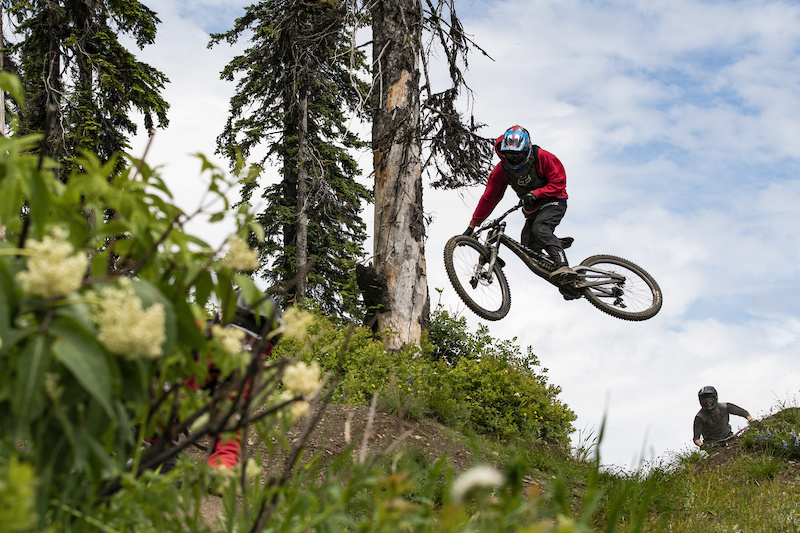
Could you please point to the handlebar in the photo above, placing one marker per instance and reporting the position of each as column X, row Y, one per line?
column 496, row 221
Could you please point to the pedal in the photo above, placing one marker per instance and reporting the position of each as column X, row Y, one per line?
column 569, row 292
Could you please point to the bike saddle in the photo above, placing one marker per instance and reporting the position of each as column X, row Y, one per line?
column 566, row 242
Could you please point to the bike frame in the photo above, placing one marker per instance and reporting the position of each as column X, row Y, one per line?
column 540, row 264
column 726, row 440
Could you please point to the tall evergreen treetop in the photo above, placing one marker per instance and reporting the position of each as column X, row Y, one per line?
column 296, row 94
column 82, row 84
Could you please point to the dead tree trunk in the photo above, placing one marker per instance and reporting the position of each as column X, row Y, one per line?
column 399, row 232
column 302, row 200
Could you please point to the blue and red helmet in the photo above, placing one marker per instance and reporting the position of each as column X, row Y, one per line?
column 516, row 147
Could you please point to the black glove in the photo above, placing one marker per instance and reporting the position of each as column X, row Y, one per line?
column 528, row 199
column 469, row 231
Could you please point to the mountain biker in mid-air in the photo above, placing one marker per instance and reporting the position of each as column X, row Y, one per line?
column 712, row 421
column 539, row 179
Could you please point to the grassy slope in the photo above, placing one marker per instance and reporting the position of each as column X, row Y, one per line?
column 751, row 485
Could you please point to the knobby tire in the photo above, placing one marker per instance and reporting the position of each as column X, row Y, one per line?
column 642, row 295
column 462, row 257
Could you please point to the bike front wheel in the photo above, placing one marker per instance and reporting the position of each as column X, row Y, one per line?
column 620, row 288
column 485, row 293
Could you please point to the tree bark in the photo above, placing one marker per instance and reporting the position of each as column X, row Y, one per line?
column 399, row 232
column 302, row 199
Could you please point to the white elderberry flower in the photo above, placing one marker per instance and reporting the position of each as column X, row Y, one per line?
column 299, row 409
column 479, row 477
column 125, row 327
column 52, row 269
column 296, row 322
column 240, row 257
column 231, row 338
column 302, row 378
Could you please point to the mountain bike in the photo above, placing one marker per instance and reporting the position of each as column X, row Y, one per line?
column 725, row 442
column 612, row 284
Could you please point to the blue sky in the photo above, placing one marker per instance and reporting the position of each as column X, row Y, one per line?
column 678, row 124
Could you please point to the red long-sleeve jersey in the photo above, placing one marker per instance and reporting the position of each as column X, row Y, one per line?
column 550, row 182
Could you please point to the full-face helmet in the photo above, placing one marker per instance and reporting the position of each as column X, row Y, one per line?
column 516, row 147
column 708, row 398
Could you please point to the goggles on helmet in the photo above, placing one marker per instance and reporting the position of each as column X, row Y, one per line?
column 515, row 158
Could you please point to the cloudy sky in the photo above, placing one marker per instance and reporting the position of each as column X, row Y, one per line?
column 678, row 123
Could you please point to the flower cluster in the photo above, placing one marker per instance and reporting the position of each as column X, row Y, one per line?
column 302, row 378
column 474, row 479
column 296, row 322
column 231, row 338
column 298, row 409
column 52, row 270
column 125, row 327
column 780, row 439
column 240, row 257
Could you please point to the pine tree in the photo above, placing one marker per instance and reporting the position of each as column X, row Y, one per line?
column 82, row 85
column 297, row 90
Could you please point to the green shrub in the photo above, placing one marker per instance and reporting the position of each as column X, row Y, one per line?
column 506, row 398
column 487, row 386
column 103, row 298
column 777, row 435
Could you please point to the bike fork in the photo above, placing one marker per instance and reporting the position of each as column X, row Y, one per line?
column 483, row 271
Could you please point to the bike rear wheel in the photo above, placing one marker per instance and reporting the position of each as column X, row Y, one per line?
column 636, row 297
column 486, row 294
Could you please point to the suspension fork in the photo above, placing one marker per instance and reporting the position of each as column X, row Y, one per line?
column 493, row 245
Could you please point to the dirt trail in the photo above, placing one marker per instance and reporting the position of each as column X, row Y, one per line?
column 343, row 425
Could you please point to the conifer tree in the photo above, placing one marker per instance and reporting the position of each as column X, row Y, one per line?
column 296, row 94
column 82, row 84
